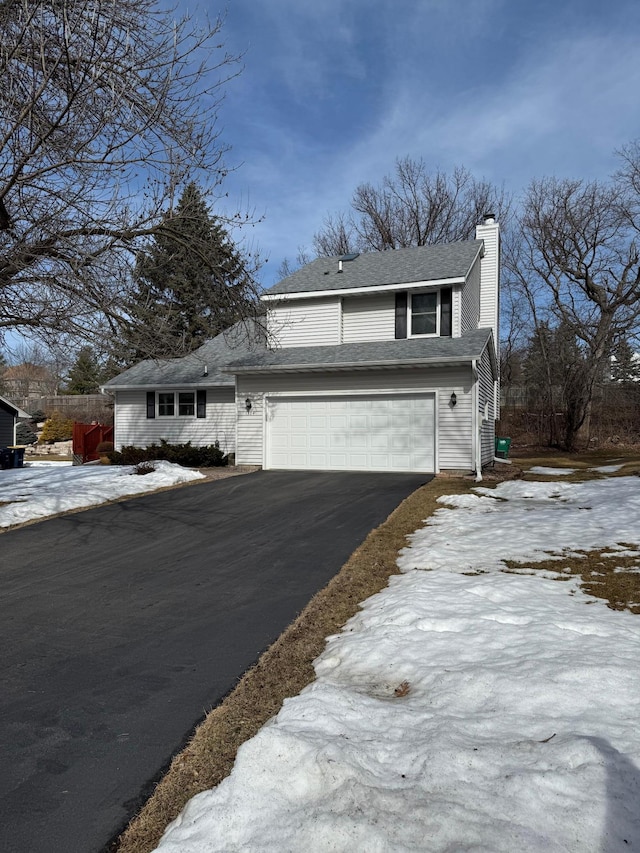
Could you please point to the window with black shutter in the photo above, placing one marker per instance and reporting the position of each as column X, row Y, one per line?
column 401, row 315
column 445, row 312
column 151, row 404
column 202, row 404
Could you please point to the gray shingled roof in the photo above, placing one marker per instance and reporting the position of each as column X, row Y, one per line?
column 241, row 339
column 371, row 354
column 371, row 269
column 15, row 410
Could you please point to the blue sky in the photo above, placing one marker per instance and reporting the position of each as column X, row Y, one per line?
column 334, row 91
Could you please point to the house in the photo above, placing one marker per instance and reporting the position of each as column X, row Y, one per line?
column 381, row 361
column 182, row 399
column 28, row 380
column 9, row 413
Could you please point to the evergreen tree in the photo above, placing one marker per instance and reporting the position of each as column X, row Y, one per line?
column 626, row 364
column 191, row 283
column 3, row 367
column 85, row 375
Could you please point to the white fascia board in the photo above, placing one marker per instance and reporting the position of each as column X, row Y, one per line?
column 354, row 291
column 153, row 386
column 350, row 365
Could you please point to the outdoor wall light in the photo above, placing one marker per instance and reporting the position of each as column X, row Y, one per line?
column 453, row 398
column 248, row 405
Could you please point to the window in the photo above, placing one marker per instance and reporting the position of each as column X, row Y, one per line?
column 182, row 403
column 166, row 404
column 186, row 404
column 424, row 313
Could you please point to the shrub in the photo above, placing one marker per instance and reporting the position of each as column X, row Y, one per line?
column 144, row 468
column 56, row 428
column 104, row 447
column 24, row 434
column 181, row 454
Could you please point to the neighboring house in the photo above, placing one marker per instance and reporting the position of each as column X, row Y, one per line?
column 382, row 361
column 28, row 380
column 9, row 413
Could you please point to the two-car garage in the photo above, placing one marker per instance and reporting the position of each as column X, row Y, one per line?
column 351, row 432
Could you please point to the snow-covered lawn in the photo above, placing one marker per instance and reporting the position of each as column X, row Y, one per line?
column 39, row 490
column 465, row 708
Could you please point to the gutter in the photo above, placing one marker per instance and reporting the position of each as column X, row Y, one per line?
column 347, row 365
column 109, row 389
column 476, row 428
column 355, row 291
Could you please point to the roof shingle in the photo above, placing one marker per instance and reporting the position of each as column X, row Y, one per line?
column 375, row 269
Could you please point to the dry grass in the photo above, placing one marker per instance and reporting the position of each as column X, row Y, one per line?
column 583, row 463
column 283, row 670
column 604, row 574
column 613, row 576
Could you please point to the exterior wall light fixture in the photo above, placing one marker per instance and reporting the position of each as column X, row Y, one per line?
column 248, row 405
column 453, row 399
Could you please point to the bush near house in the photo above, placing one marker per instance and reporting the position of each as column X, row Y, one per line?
column 182, row 454
column 24, row 434
column 56, row 428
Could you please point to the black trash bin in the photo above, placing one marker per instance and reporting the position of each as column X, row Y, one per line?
column 17, row 456
column 6, row 459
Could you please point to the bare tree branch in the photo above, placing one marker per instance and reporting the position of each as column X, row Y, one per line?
column 105, row 108
column 412, row 207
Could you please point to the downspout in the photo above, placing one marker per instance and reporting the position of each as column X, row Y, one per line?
column 475, row 423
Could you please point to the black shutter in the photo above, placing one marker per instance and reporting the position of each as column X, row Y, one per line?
column 151, row 404
column 201, row 409
column 445, row 312
column 401, row 315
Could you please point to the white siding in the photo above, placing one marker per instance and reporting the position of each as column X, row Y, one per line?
column 470, row 307
column 369, row 318
column 250, row 425
column 490, row 279
column 486, row 400
column 305, row 322
column 456, row 311
column 132, row 427
column 453, row 424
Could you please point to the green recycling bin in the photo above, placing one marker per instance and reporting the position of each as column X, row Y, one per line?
column 502, row 447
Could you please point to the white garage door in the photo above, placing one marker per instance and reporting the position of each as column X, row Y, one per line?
column 387, row 432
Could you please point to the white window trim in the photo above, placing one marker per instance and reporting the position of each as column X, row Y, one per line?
column 176, row 404
column 435, row 334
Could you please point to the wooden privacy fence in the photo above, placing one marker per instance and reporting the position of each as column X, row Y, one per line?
column 86, row 438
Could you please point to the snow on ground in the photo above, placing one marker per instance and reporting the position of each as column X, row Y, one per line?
column 551, row 472
column 39, row 490
column 464, row 708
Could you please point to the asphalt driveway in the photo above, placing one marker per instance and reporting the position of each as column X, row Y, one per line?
column 120, row 627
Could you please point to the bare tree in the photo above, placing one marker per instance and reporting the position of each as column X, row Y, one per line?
column 288, row 267
column 575, row 260
column 105, row 107
column 412, row 207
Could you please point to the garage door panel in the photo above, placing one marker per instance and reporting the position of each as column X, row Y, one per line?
column 385, row 432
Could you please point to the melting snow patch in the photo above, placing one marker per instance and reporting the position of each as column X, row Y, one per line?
column 515, row 727
column 551, row 472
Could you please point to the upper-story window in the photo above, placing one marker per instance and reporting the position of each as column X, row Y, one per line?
column 423, row 314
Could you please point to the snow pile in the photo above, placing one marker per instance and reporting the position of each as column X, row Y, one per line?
column 36, row 492
column 485, row 712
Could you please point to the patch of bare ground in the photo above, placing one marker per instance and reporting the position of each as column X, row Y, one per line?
column 585, row 465
column 610, row 574
column 283, row 670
